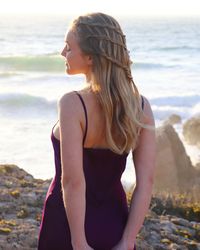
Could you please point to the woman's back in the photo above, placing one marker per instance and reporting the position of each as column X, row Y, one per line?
column 95, row 137
column 96, row 127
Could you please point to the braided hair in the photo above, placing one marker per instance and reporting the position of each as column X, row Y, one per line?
column 100, row 36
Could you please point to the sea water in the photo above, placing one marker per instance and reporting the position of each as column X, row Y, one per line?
column 166, row 69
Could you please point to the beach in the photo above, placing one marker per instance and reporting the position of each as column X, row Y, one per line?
column 166, row 57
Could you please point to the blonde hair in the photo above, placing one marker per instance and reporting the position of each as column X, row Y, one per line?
column 100, row 36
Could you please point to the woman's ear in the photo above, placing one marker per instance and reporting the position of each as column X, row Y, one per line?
column 89, row 60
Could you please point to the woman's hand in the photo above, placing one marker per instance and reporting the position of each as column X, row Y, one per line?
column 84, row 247
column 122, row 245
column 88, row 248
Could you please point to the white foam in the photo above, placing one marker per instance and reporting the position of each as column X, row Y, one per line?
column 196, row 110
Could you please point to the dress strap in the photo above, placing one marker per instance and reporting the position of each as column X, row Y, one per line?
column 142, row 102
column 86, row 118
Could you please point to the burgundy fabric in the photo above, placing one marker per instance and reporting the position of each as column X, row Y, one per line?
column 106, row 204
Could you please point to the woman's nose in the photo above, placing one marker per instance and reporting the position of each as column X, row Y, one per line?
column 63, row 53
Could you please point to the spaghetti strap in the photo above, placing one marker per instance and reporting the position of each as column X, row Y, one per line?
column 86, row 119
column 142, row 102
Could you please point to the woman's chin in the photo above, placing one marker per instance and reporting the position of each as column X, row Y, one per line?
column 68, row 71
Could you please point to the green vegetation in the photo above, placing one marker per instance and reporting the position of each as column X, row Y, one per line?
column 23, row 213
column 184, row 205
column 7, row 168
column 8, row 223
column 5, row 230
column 25, row 183
column 15, row 193
column 165, row 241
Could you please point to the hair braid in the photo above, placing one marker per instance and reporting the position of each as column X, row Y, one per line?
column 100, row 36
column 117, row 30
column 107, row 39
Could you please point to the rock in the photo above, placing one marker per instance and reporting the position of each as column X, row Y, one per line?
column 182, row 222
column 21, row 201
column 13, row 170
column 162, row 233
column 168, row 226
column 20, row 218
column 174, row 170
column 173, row 119
column 191, row 131
column 197, row 166
column 143, row 245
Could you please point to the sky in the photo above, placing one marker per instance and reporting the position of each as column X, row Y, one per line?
column 119, row 7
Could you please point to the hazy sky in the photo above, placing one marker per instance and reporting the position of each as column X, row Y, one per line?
column 123, row 7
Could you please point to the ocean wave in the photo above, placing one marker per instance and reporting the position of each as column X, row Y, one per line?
column 54, row 63
column 43, row 63
column 176, row 100
column 196, row 109
column 177, row 48
column 20, row 100
column 163, row 107
column 151, row 66
column 9, row 74
column 185, row 106
column 162, row 113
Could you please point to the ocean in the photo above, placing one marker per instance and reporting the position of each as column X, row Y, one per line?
column 166, row 58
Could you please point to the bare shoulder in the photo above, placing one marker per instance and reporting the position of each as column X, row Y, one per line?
column 69, row 103
column 71, row 97
column 148, row 117
column 67, row 98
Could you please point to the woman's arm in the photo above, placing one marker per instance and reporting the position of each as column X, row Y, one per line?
column 144, row 161
column 73, row 180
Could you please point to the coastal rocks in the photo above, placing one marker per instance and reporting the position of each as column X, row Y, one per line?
column 21, row 201
column 174, row 170
column 173, row 119
column 191, row 131
column 23, row 235
column 20, row 217
column 168, row 232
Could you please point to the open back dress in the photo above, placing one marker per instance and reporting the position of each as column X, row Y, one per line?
column 106, row 203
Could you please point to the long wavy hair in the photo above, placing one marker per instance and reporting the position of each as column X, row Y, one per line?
column 101, row 37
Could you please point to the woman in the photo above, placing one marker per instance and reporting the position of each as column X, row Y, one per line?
column 98, row 126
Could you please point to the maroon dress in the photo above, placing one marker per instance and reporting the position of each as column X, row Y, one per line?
column 106, row 204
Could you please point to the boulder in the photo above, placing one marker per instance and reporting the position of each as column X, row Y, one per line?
column 173, row 119
column 21, row 202
column 191, row 131
column 174, row 170
column 168, row 232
